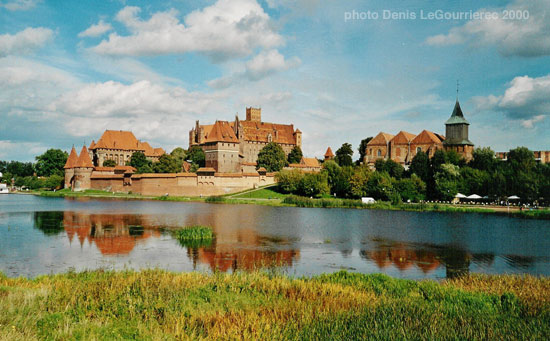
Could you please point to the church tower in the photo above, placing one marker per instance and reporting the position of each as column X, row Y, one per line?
column 456, row 134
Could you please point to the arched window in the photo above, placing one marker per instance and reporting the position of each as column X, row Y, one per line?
column 379, row 152
column 418, row 149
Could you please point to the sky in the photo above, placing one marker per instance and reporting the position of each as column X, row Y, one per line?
column 339, row 70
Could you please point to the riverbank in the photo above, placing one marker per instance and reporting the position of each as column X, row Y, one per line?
column 155, row 304
column 267, row 196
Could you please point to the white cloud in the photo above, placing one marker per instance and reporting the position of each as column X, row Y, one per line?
column 526, row 99
column 519, row 37
column 96, row 30
column 24, row 41
column 8, row 148
column 19, row 5
column 262, row 65
column 530, row 124
column 226, row 29
column 148, row 109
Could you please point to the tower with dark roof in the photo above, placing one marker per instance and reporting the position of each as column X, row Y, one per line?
column 456, row 133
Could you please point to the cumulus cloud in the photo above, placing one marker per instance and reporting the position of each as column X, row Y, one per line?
column 19, row 5
column 519, row 37
column 24, row 41
column 526, row 99
column 148, row 109
column 96, row 30
column 226, row 29
column 262, row 65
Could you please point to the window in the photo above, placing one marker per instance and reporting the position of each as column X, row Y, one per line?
column 379, row 152
column 418, row 149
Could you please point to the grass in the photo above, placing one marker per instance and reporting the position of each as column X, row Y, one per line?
column 156, row 304
column 262, row 193
column 194, row 236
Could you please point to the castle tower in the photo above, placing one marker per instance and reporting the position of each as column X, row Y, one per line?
column 456, row 134
column 254, row 114
column 83, row 171
column 298, row 137
column 69, row 167
column 329, row 155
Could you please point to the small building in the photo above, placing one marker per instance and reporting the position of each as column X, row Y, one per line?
column 378, row 148
column 307, row 164
column 329, row 155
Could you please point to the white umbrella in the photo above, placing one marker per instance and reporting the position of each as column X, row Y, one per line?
column 473, row 196
column 513, row 197
column 460, row 196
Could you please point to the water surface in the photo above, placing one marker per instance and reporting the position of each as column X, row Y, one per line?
column 51, row 235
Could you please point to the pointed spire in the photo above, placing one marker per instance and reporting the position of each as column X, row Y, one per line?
column 457, row 111
column 71, row 160
column 84, row 160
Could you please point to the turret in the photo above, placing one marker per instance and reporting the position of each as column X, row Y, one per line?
column 69, row 167
column 83, row 171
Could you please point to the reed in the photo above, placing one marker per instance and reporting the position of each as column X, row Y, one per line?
column 194, row 236
column 156, row 304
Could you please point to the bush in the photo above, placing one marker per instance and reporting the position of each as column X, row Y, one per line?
column 288, row 180
column 109, row 163
column 313, row 185
column 215, row 199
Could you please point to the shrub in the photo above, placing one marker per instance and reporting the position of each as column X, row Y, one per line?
column 288, row 180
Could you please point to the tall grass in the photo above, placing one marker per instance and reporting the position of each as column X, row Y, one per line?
column 215, row 199
column 156, row 304
column 194, row 236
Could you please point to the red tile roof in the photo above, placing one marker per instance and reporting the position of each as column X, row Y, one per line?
column 310, row 162
column 403, row 138
column 381, row 139
column 125, row 140
column 329, row 153
column 221, row 131
column 259, row 132
column 71, row 161
column 84, row 160
column 427, row 137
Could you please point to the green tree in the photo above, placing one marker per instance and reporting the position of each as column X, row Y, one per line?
column 166, row 164
column 272, row 157
column 51, row 162
column 391, row 167
column 420, row 165
column 413, row 188
column 313, row 185
column 521, row 159
column 344, row 155
column 140, row 163
column 473, row 181
column 295, row 155
column 109, row 163
column 358, row 186
column 446, row 181
column 54, row 181
column 289, row 180
column 197, row 157
column 379, row 186
column 179, row 154
column 483, row 159
column 16, row 169
column 363, row 149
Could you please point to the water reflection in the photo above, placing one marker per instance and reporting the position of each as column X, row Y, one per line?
column 300, row 241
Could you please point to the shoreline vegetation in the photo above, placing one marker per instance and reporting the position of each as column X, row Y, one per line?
column 269, row 196
column 157, row 304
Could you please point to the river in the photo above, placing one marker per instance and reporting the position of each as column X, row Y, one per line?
column 41, row 235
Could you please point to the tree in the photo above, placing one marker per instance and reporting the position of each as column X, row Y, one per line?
column 393, row 168
column 272, row 157
column 363, row 149
column 179, row 154
column 413, row 188
column 358, row 186
column 313, row 185
column 483, row 159
column 295, row 155
column 51, row 162
column 344, row 155
column 166, row 164
column 197, row 157
column 521, row 159
column 109, row 163
column 54, row 181
column 420, row 165
column 288, row 180
column 140, row 163
column 446, row 181
column 16, row 168
column 379, row 186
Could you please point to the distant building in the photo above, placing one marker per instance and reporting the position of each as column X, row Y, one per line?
column 233, row 147
column 456, row 131
column 307, row 164
column 404, row 146
column 329, row 155
column 541, row 156
column 119, row 146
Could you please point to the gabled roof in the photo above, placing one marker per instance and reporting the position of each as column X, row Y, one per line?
column 92, row 145
column 403, row 137
column 310, row 162
column 259, row 132
column 329, row 153
column 149, row 151
column 381, row 139
column 118, row 139
column 72, row 159
column 84, row 160
column 427, row 137
column 457, row 117
column 221, row 132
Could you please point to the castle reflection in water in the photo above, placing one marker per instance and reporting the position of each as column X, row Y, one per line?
column 245, row 249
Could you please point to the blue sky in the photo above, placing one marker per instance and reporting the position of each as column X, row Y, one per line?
column 71, row 69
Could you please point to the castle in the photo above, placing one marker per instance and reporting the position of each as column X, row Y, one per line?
column 233, row 147
column 404, row 146
column 119, row 146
